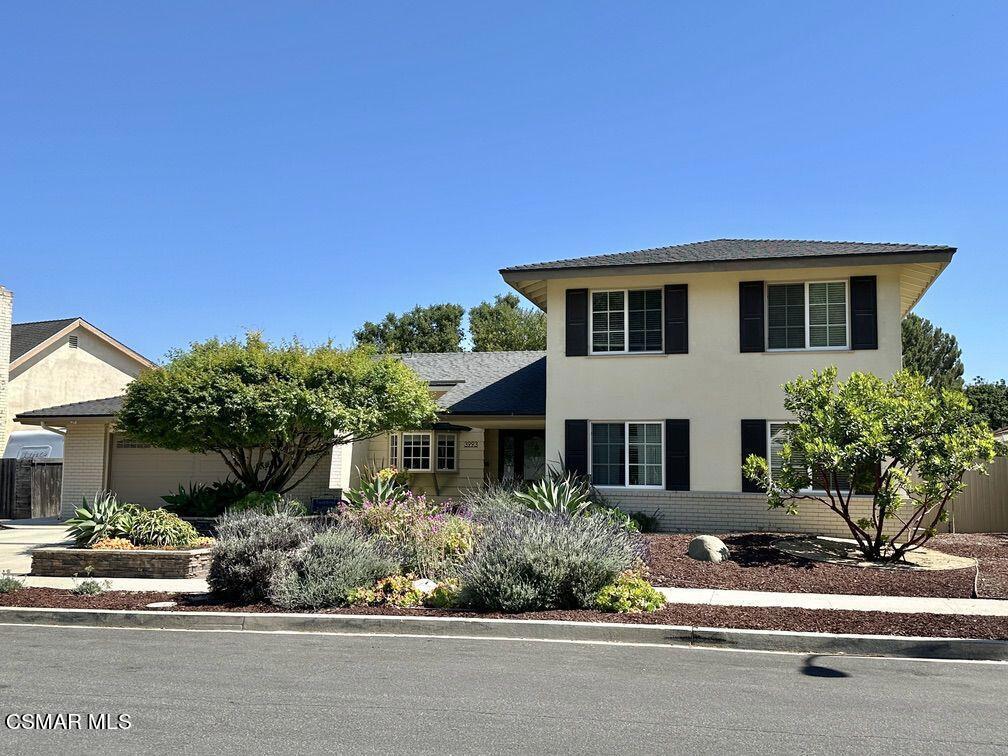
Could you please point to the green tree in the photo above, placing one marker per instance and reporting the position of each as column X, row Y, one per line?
column 932, row 353
column 271, row 412
column 437, row 328
column 909, row 443
column 504, row 326
column 990, row 401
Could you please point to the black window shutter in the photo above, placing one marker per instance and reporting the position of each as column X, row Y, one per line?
column 576, row 446
column 751, row 330
column 677, row 461
column 676, row 319
column 754, row 441
column 864, row 312
column 577, row 322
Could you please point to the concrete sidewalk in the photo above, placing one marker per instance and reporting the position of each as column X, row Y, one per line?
column 899, row 604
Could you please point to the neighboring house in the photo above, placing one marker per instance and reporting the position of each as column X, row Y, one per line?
column 663, row 371
column 56, row 362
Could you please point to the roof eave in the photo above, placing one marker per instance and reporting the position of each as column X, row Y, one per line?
column 531, row 283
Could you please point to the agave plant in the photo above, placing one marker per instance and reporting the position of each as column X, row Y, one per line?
column 378, row 486
column 558, row 493
column 103, row 517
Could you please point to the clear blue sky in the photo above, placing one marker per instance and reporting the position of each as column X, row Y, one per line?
column 176, row 172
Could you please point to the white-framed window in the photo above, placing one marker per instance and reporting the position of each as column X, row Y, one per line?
column 807, row 315
column 626, row 321
column 777, row 437
column 446, row 455
column 393, row 449
column 627, row 453
column 424, row 451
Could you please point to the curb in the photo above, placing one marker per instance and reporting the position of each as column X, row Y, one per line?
column 963, row 649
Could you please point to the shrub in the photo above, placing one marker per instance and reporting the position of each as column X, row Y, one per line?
column 527, row 561
column 90, row 587
column 423, row 537
column 203, row 500
column 250, row 545
column 9, row 583
column 114, row 544
column 488, row 498
column 629, row 593
column 445, row 596
column 395, row 590
column 323, row 572
column 378, row 486
column 646, row 523
column 161, row 528
column 270, row 503
column 558, row 493
column 104, row 517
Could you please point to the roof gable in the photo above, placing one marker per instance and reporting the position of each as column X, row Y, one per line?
column 27, row 336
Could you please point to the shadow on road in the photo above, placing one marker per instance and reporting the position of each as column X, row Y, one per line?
column 811, row 669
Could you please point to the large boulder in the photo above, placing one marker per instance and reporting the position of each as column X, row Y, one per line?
column 708, row 549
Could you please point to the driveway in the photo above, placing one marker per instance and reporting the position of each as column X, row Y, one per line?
column 220, row 692
column 19, row 537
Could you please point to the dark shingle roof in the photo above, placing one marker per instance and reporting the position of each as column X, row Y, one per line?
column 485, row 383
column 725, row 250
column 27, row 336
column 93, row 408
column 477, row 383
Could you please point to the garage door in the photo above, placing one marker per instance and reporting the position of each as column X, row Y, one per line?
column 142, row 474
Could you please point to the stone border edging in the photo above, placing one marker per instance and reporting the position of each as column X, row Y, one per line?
column 506, row 629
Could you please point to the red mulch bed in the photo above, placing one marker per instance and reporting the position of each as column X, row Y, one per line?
column 756, row 618
column 757, row 566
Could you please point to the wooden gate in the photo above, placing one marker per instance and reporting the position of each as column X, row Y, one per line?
column 30, row 488
column 46, row 487
column 8, row 476
column 983, row 506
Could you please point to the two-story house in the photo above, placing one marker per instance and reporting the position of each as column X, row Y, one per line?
column 662, row 372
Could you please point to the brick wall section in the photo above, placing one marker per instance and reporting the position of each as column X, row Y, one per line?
column 721, row 512
column 84, row 457
column 6, row 312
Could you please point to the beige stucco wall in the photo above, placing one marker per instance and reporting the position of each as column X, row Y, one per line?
column 62, row 375
column 714, row 385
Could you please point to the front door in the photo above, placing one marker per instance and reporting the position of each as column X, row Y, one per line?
column 522, row 455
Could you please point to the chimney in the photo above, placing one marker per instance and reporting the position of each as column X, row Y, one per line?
column 6, row 312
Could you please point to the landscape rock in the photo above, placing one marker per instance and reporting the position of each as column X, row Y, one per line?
column 424, row 585
column 707, row 548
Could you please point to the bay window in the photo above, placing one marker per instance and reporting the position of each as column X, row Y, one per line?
column 424, row 451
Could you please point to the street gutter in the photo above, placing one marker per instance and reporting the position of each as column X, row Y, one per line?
column 506, row 629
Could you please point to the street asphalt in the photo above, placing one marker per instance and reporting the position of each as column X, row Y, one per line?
column 209, row 692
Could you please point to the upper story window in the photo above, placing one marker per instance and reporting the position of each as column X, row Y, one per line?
column 810, row 315
column 626, row 320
